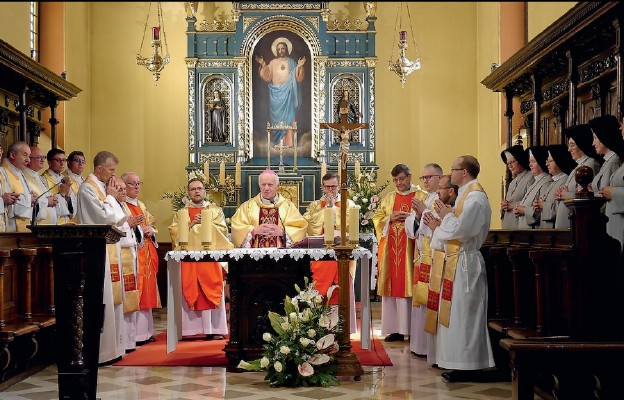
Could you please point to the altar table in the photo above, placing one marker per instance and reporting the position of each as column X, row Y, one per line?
column 270, row 264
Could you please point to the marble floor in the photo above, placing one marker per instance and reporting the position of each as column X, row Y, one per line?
column 409, row 378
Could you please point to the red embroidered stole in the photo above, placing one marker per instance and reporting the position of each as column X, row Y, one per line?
column 147, row 269
column 397, row 246
column 268, row 216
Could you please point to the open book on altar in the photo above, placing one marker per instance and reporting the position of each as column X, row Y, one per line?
column 313, row 242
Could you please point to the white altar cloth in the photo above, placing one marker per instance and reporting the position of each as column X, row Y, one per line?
column 174, row 280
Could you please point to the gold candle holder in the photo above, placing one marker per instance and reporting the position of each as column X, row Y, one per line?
column 206, row 245
column 329, row 245
column 183, row 245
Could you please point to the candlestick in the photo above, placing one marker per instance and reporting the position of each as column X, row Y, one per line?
column 237, row 176
column 403, row 36
column 357, row 170
column 156, row 33
column 503, row 188
column 207, row 170
column 328, row 225
column 354, row 225
column 222, row 173
column 323, row 169
column 206, row 226
column 183, row 226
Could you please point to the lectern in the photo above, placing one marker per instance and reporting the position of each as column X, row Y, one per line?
column 79, row 256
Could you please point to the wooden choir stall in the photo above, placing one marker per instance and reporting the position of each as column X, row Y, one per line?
column 555, row 294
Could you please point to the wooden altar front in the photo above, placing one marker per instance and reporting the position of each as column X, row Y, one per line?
column 259, row 280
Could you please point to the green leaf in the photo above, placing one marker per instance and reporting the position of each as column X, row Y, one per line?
column 288, row 306
column 276, row 322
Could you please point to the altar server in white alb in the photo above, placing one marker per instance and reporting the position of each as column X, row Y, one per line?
column 97, row 205
column 463, row 343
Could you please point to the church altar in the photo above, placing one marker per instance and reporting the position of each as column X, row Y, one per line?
column 268, row 263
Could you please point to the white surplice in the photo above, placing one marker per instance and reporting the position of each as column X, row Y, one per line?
column 419, row 339
column 93, row 211
column 465, row 344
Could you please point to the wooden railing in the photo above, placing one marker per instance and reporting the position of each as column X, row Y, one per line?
column 554, row 301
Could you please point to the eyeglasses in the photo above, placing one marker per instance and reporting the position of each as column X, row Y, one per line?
column 196, row 189
column 41, row 158
column 60, row 160
column 132, row 184
column 330, row 186
column 428, row 177
column 399, row 179
column 78, row 161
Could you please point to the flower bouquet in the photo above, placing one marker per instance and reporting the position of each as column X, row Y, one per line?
column 365, row 193
column 302, row 350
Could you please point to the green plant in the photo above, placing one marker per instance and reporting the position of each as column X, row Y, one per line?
column 302, row 350
column 364, row 192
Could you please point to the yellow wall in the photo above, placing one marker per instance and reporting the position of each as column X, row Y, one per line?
column 15, row 24
column 442, row 112
column 542, row 14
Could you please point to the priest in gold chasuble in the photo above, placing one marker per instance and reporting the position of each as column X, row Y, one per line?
column 325, row 272
column 396, row 253
column 203, row 311
column 268, row 220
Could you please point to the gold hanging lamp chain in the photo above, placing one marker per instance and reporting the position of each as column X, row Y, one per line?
column 161, row 22
column 412, row 30
column 396, row 26
column 149, row 9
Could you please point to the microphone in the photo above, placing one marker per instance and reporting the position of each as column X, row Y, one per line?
column 65, row 180
column 281, row 220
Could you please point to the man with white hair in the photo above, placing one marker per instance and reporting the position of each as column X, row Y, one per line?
column 147, row 260
column 20, row 209
column 268, row 219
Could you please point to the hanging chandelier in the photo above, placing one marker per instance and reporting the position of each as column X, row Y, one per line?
column 403, row 66
column 156, row 62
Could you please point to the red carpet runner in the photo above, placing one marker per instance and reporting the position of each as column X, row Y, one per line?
column 209, row 353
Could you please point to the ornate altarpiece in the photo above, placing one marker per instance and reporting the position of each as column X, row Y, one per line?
column 339, row 55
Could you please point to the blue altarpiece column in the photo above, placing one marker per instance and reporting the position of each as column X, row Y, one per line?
column 229, row 115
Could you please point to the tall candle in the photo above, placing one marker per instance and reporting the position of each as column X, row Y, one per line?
column 237, row 177
column 354, row 224
column 183, row 225
column 155, row 33
column 207, row 170
column 222, row 173
column 206, row 225
column 357, row 170
column 328, row 224
column 323, row 169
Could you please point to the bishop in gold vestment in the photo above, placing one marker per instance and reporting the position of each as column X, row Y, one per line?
column 269, row 219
